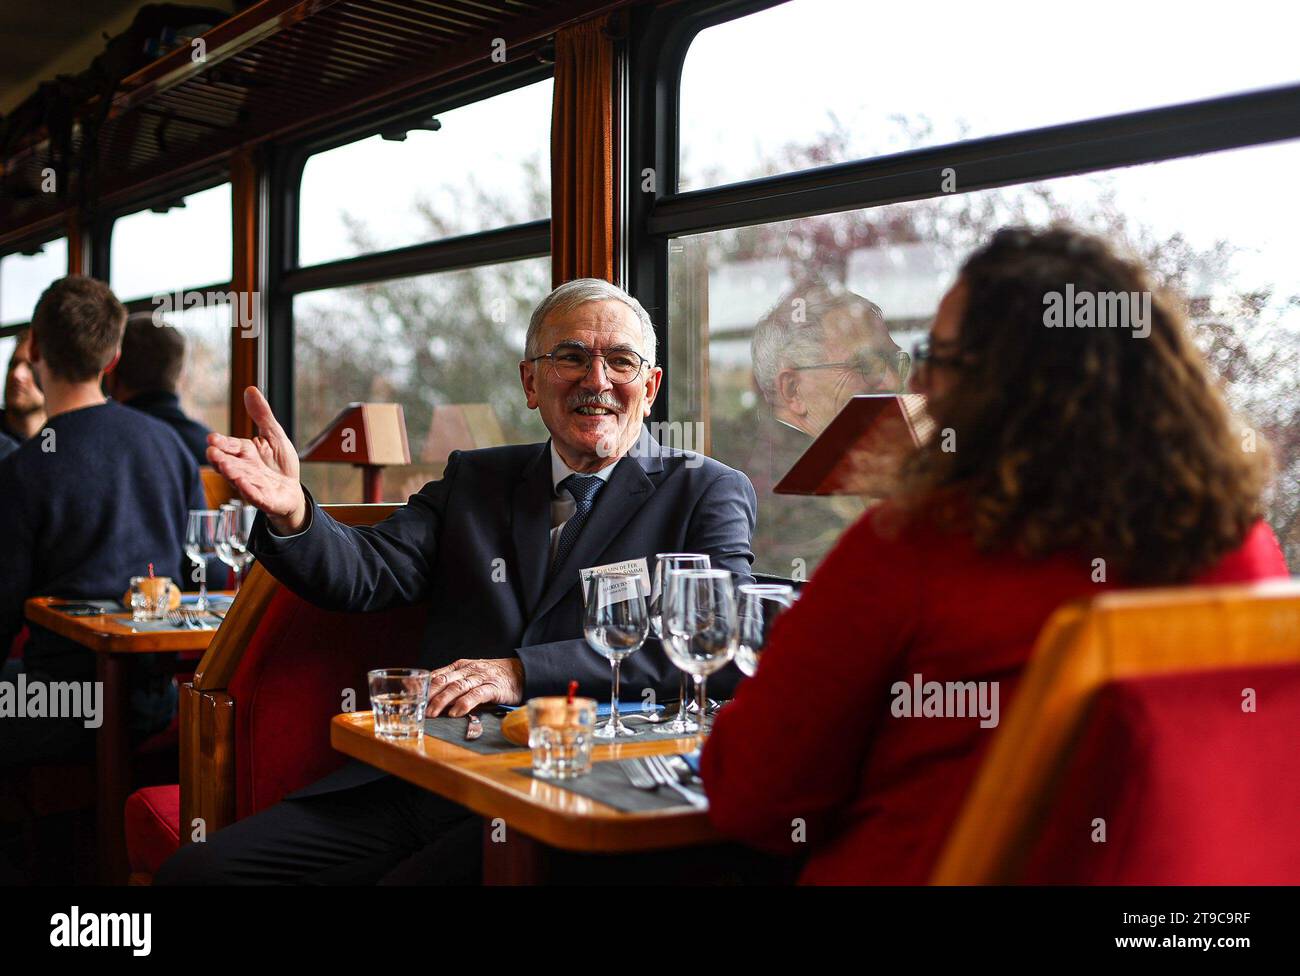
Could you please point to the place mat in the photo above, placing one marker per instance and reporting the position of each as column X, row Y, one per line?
column 608, row 783
column 452, row 730
column 114, row 607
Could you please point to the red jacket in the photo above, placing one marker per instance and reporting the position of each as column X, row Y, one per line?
column 810, row 745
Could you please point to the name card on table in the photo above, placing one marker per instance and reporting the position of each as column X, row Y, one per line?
column 637, row 566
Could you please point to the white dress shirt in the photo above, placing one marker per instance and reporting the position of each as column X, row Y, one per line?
column 563, row 505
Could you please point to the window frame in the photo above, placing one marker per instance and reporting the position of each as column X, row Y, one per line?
column 286, row 278
column 22, row 247
column 661, row 40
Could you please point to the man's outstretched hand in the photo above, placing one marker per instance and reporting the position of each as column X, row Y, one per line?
column 263, row 470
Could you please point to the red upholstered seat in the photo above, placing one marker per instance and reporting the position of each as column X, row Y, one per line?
column 153, row 817
column 302, row 666
column 19, row 643
column 1192, row 788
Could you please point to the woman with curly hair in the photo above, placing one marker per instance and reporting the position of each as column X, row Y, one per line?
column 1072, row 455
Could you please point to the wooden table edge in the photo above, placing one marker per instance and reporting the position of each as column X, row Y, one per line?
column 38, row 610
column 610, row 831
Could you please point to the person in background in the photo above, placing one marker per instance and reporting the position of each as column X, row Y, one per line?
column 1071, row 445
column 24, row 409
column 148, row 375
column 99, row 494
column 816, row 348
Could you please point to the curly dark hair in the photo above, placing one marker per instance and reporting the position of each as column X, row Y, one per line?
column 1086, row 439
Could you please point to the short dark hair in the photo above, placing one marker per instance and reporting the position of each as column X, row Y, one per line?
column 153, row 354
column 78, row 324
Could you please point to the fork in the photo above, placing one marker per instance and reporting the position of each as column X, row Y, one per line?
column 651, row 773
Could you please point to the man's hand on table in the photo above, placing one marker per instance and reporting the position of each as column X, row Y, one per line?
column 464, row 685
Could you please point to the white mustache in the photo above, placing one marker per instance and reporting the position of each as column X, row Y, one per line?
column 595, row 400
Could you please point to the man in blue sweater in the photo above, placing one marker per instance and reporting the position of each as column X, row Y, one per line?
column 96, row 496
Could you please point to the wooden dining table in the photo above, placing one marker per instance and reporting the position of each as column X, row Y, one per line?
column 536, row 816
column 114, row 641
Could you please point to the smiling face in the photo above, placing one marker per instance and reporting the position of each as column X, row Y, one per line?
column 593, row 421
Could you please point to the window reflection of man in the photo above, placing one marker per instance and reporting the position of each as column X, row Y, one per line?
column 817, row 349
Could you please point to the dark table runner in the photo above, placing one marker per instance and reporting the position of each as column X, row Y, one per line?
column 492, row 741
column 608, row 783
column 211, row 621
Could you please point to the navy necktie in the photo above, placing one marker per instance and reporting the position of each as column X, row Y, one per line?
column 584, row 488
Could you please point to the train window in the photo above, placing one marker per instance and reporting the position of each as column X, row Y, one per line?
column 24, row 276
column 177, row 259
column 446, row 346
column 870, row 280
column 386, row 192
column 177, row 244
column 813, row 82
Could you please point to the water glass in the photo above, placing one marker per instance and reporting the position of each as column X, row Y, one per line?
column 760, row 605
column 233, row 530
column 700, row 620
column 201, row 542
column 559, row 735
column 398, row 697
column 615, row 623
column 150, row 596
column 665, row 563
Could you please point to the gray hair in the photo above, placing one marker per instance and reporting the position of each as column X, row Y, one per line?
column 580, row 291
column 783, row 339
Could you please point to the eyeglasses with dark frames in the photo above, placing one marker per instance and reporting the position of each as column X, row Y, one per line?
column 573, row 362
column 924, row 356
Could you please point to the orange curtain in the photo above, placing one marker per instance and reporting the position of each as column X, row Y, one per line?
column 245, row 332
column 582, row 154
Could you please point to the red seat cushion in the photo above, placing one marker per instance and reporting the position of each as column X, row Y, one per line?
column 153, row 817
column 19, row 642
column 303, row 666
column 1192, row 789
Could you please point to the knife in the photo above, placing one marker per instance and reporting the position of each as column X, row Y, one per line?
column 473, row 728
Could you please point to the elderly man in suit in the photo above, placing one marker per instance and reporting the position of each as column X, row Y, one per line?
column 601, row 490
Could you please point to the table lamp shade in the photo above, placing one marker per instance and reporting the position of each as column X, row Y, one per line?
column 362, row 433
column 461, row 427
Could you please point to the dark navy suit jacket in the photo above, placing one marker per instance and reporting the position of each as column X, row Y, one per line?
column 475, row 546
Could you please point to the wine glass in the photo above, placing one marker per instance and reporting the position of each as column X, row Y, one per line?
column 760, row 605
column 201, row 543
column 232, row 537
column 700, row 618
column 615, row 623
column 666, row 562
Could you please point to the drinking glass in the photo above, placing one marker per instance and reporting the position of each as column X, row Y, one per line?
column 398, row 697
column 232, row 537
column 615, row 623
column 200, row 544
column 666, row 562
column 700, row 618
column 150, row 596
column 760, row 605
column 559, row 735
